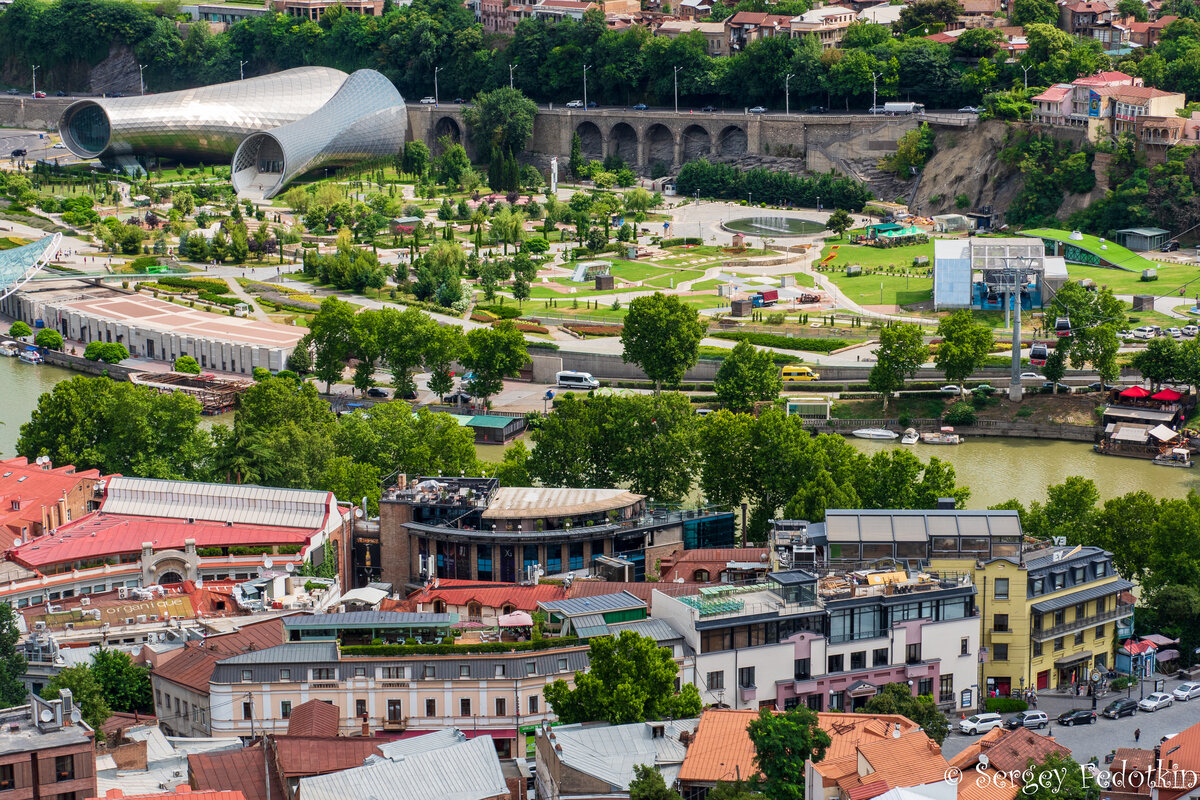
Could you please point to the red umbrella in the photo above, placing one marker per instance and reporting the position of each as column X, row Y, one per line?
column 1135, row 391
column 1166, row 394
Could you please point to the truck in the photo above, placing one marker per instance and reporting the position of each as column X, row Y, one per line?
column 765, row 298
column 903, row 108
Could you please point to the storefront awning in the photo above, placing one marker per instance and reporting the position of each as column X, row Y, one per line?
column 1082, row 596
column 1067, row 661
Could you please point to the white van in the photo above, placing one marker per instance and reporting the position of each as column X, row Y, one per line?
column 576, row 380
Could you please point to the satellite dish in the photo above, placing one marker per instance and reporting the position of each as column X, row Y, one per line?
column 984, row 760
column 357, row 513
column 290, row 567
column 46, row 716
column 268, row 563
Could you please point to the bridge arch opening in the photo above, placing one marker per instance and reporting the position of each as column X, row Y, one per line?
column 623, row 142
column 660, row 145
column 446, row 126
column 590, row 140
column 697, row 143
column 732, row 142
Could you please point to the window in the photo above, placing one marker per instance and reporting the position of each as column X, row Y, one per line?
column 1001, row 651
column 360, row 708
column 836, row 663
column 1101, row 603
column 1000, row 588
column 393, row 673
column 964, row 646
column 530, row 667
column 430, row 707
column 1037, row 649
column 746, row 677
column 716, row 681
column 429, row 670
column 247, row 675
column 285, row 709
column 880, row 657
column 1060, row 617
column 395, row 710
column 1101, row 569
column 1078, row 575
column 6, row 777
column 836, row 701
column 802, row 669
column 64, row 768
column 1058, row 643
column 562, row 665
column 912, row 654
column 1000, row 623
column 858, row 659
column 285, row 674
column 501, row 707
column 499, row 670
column 946, row 689
column 1080, row 610
column 813, row 701
column 925, row 687
column 322, row 674
column 464, row 707
column 464, row 670
column 1079, row 637
column 533, row 704
column 360, row 672
column 1100, row 631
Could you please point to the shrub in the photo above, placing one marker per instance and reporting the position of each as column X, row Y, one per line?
column 500, row 312
column 681, row 240
column 212, row 285
column 1117, row 684
column 530, row 327
column 108, row 352
column 811, row 345
column 19, row 329
column 187, row 364
column 1006, row 705
column 49, row 339
column 960, row 413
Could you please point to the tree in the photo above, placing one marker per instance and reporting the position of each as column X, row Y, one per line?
column 186, row 364
column 49, row 339
column 300, row 360
column 926, row 13
column 352, row 481
column 662, row 336
column 1058, row 777
column 1161, row 362
column 747, row 375
column 1027, row 12
column 332, row 330
column 19, row 329
column 839, row 222
column 1056, row 365
column 629, row 679
column 108, row 352
column 1094, row 317
column 443, row 347
column 86, row 693
column 900, row 354
column 12, row 661
column 501, row 119
column 513, row 469
column 577, row 162
column 416, row 158
column 897, row 698
column 493, row 354
column 783, row 744
column 391, row 437
column 648, row 784
column 964, row 347
column 126, row 685
column 404, row 337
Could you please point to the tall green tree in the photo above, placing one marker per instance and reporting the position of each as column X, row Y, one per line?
column 501, row 119
column 416, row 158
column 840, row 220
column 493, row 354
column 746, row 376
column 332, row 331
column 443, row 347
column 12, row 660
column 900, row 353
column 1094, row 317
column 897, row 698
column 964, row 347
column 404, row 336
column 351, row 481
column 391, row 437
column 86, row 692
column 783, row 744
column 662, row 336
column 1058, row 777
column 126, row 685
column 629, row 679
column 1028, row 12
column 648, row 784
column 1161, row 362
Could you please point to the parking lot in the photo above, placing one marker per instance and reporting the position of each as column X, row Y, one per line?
column 1105, row 735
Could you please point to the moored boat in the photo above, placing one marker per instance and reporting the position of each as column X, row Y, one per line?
column 30, row 355
column 944, row 436
column 1177, row 457
column 910, row 436
column 9, row 349
column 875, row 433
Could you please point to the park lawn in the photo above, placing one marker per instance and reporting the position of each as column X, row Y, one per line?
column 543, row 291
column 9, row 242
column 805, row 279
column 708, row 285
column 887, row 290
column 664, row 281
column 637, row 270
column 1170, row 278
column 1093, row 244
column 876, row 257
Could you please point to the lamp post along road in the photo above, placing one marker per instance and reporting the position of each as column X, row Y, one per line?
column 676, row 78
column 511, row 67
column 36, row 67
column 242, row 70
column 436, row 70
column 787, row 94
column 875, row 90
column 141, row 81
column 586, row 67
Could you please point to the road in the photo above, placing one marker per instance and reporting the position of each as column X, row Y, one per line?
column 799, row 110
column 38, row 144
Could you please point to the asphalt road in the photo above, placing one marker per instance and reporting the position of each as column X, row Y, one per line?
column 39, row 146
column 1105, row 735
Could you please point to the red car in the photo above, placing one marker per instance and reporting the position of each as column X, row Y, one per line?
column 39, row 94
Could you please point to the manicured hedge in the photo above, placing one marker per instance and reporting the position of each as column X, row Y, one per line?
column 1006, row 705
column 450, row 649
column 782, row 342
column 681, row 240
column 213, row 285
column 502, row 312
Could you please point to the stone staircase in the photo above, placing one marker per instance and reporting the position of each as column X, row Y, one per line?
column 885, row 185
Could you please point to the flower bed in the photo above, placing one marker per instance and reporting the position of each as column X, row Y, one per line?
column 595, row 330
column 528, row 327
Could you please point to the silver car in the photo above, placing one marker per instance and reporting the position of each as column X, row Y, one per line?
column 1155, row 701
column 1186, row 691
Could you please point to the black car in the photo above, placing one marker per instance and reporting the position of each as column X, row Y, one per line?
column 13, row 91
column 1100, row 387
column 1123, row 707
column 457, row 397
column 60, row 93
column 815, row 110
column 708, row 109
column 18, row 153
column 459, row 100
column 1077, row 716
column 1169, row 247
column 375, row 391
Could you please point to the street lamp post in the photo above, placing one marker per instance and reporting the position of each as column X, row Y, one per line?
column 36, row 67
column 875, row 90
column 676, row 77
column 586, row 67
column 436, row 70
column 511, row 67
column 1025, row 70
column 787, row 94
column 242, row 70
column 141, row 82
column 818, row 202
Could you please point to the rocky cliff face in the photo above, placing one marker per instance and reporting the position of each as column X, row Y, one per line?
column 116, row 73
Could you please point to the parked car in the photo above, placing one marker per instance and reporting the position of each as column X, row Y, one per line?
column 1122, row 707
column 376, row 391
column 428, row 101
column 13, row 91
column 39, row 94
column 1169, row 247
column 1190, row 330
column 1077, row 716
column 1028, row 719
column 970, row 110
column 58, row 146
column 980, row 723
column 815, row 110
column 592, row 103
column 18, row 153
column 877, row 110
column 1030, row 376
column 575, row 104
column 459, row 101
column 1155, row 701
column 1175, row 333
column 641, row 107
column 985, row 389
column 1056, row 388
column 1186, row 691
column 758, row 110
column 1100, row 387
column 708, row 109
column 457, row 397
column 1143, row 333
column 950, row 388
column 1125, row 336
column 60, row 93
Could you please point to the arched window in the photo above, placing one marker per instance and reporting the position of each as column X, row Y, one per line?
column 474, row 609
column 700, row 576
column 439, row 606
column 508, row 608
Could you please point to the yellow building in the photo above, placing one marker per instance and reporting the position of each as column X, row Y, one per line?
column 1048, row 617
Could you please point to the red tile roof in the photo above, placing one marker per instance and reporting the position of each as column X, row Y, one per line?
column 194, row 666
column 32, row 487
column 183, row 790
column 240, row 770
column 99, row 534
column 299, row 756
column 1105, row 78
column 912, row 759
column 1055, row 94
column 1177, row 755
column 487, row 594
column 118, row 720
column 313, row 718
column 1139, row 92
column 1011, row 750
column 720, row 747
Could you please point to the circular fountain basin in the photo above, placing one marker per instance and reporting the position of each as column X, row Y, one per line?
column 769, row 226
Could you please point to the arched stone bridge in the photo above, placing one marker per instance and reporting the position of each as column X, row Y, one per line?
column 645, row 138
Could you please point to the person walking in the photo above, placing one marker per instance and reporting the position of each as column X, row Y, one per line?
column 1137, row 734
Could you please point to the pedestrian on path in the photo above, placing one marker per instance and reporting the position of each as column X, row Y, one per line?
column 1137, row 734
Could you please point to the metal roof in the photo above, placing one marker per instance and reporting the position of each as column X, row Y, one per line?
column 292, row 652
column 369, row 619
column 1145, row 231
column 466, row 771
column 533, row 502
column 843, row 525
column 364, row 594
column 437, row 740
column 596, row 604
column 589, row 625
column 1082, row 596
column 256, row 505
column 1069, row 555
column 657, row 629
column 792, row 577
column 1150, row 414
column 610, row 752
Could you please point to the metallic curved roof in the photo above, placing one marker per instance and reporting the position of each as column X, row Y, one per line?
column 196, row 123
column 365, row 119
column 19, row 264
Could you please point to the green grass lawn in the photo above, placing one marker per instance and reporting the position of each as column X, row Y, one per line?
column 1170, row 278
column 638, row 271
column 896, row 289
column 664, row 281
column 1112, row 251
column 706, row 286
column 805, row 279
column 876, row 257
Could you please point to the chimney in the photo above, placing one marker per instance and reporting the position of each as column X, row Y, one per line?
column 366, row 726
column 945, row 503
column 68, row 705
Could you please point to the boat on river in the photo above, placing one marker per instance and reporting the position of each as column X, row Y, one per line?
column 875, row 433
column 1176, row 457
column 9, row 349
column 910, row 436
column 944, row 436
column 30, row 355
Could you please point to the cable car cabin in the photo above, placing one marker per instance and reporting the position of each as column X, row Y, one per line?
column 1038, row 354
column 1062, row 327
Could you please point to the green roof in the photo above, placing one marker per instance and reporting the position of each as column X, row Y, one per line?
column 1113, row 253
column 490, row 421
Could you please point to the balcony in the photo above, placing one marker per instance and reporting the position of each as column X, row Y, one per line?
column 1120, row 611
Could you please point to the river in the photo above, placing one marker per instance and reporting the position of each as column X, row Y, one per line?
column 995, row 469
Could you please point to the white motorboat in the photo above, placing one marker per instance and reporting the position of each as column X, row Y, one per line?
column 9, row 349
column 30, row 355
column 875, row 433
column 910, row 436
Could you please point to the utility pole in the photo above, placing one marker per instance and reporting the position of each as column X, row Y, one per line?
column 511, row 67
column 36, row 67
column 1026, row 71
column 141, row 82
column 875, row 89
column 242, row 70
column 787, row 94
column 436, row 70
column 586, row 67
column 676, row 77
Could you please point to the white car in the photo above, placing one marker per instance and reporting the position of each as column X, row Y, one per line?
column 1175, row 333
column 1125, row 336
column 980, row 723
column 950, row 388
column 1031, row 376
column 575, row 104
column 1186, row 691
column 1190, row 330
column 1155, row 701
column 429, row 101
column 59, row 146
column 1143, row 332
